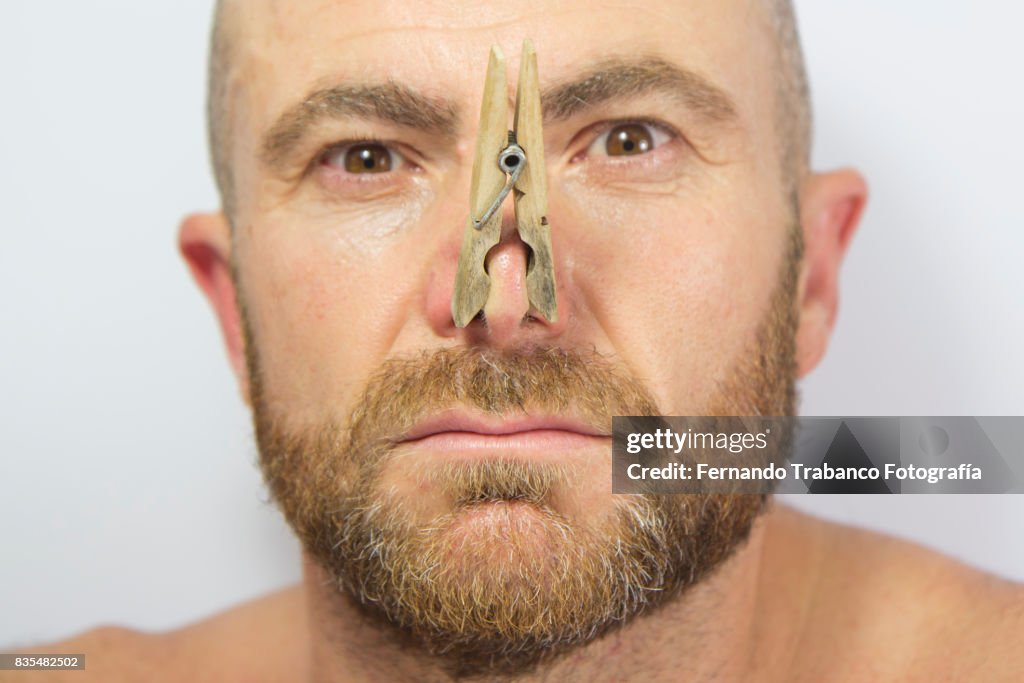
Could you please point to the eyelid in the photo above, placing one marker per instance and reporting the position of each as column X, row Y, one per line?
column 662, row 135
column 399, row 159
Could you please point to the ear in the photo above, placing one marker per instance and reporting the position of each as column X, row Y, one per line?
column 831, row 205
column 204, row 240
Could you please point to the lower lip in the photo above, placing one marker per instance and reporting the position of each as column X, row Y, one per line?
column 538, row 440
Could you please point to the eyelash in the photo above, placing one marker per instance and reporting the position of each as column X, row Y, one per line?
column 400, row 160
column 597, row 134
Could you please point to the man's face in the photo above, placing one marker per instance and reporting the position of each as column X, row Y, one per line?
column 671, row 228
column 665, row 260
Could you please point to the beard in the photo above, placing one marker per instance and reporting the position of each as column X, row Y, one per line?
column 504, row 575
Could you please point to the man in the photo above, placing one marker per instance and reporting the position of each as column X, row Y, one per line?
column 451, row 486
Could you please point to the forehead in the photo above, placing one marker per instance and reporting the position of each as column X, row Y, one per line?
column 284, row 49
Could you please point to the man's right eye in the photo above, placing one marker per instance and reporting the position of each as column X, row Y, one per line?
column 362, row 158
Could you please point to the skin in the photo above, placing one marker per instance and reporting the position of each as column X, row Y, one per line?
column 666, row 264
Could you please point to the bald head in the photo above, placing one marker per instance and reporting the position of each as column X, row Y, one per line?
column 221, row 48
column 794, row 100
column 793, row 110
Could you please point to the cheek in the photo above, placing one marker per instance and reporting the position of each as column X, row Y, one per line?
column 322, row 303
column 678, row 283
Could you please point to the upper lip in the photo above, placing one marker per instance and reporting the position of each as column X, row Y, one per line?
column 497, row 425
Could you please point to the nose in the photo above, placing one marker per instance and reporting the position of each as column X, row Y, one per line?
column 508, row 304
column 507, row 318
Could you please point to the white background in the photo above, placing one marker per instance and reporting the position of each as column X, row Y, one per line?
column 128, row 489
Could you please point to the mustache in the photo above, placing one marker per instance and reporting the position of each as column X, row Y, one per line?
column 551, row 380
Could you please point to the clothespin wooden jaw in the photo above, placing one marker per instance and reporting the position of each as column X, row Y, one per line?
column 507, row 162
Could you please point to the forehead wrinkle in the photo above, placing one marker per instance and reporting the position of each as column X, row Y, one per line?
column 392, row 22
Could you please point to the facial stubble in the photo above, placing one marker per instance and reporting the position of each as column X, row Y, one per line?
column 504, row 579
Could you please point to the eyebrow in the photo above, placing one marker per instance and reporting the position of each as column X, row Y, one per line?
column 617, row 79
column 390, row 102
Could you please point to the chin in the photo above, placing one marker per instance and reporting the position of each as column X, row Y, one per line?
column 494, row 493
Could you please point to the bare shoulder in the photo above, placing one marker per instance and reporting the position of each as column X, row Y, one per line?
column 892, row 606
column 102, row 647
column 261, row 640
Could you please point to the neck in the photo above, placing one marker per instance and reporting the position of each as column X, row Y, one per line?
column 715, row 630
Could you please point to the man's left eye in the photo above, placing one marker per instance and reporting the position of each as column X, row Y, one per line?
column 363, row 158
column 628, row 139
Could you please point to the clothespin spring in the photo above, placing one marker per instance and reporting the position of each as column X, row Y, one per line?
column 512, row 161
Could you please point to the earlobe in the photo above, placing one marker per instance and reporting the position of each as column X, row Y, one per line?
column 204, row 241
column 830, row 209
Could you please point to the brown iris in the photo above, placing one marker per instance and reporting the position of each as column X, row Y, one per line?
column 627, row 139
column 367, row 158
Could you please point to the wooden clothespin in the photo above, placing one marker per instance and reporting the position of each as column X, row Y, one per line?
column 507, row 161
